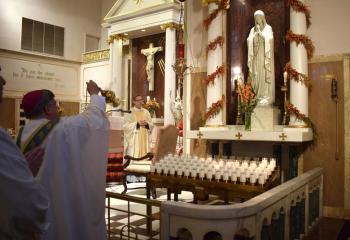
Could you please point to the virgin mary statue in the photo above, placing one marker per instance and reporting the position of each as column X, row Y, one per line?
column 261, row 60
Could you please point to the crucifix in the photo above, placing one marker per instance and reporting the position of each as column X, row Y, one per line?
column 149, row 53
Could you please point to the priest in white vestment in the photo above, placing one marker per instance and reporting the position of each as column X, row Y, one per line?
column 261, row 60
column 73, row 171
column 137, row 130
column 23, row 202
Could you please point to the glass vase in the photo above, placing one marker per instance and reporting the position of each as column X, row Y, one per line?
column 153, row 114
column 247, row 121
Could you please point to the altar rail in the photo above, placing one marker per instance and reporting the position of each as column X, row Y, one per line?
column 287, row 211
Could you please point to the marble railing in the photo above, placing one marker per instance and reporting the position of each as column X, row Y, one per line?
column 284, row 212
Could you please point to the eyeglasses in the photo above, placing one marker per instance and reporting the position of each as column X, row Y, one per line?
column 52, row 103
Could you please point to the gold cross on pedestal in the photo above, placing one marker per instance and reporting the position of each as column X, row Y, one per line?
column 283, row 136
column 239, row 135
column 199, row 134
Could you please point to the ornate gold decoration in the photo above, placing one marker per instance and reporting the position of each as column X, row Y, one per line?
column 283, row 136
column 96, row 56
column 116, row 37
column 207, row 2
column 180, row 68
column 170, row 25
column 239, row 135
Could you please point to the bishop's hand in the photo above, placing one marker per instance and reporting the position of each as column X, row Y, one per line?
column 92, row 88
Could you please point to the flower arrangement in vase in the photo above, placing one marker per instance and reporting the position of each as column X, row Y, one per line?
column 247, row 103
column 151, row 105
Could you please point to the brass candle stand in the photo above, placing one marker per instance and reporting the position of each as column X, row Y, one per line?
column 239, row 120
column 180, row 68
column 284, row 89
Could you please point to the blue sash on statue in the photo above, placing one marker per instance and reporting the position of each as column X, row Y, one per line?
column 37, row 137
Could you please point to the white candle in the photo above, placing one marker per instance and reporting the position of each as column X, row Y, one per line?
column 234, row 177
column 285, row 76
column 242, row 178
column 217, row 176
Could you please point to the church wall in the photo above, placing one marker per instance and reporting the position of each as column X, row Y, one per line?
column 99, row 72
column 79, row 17
column 329, row 28
column 26, row 72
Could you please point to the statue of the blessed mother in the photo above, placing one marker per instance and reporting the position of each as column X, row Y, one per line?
column 261, row 60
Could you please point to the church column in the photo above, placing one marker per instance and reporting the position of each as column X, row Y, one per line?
column 298, row 59
column 116, row 64
column 169, row 76
column 214, row 61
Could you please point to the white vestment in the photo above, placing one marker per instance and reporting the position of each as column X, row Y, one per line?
column 132, row 144
column 23, row 202
column 261, row 64
column 73, row 173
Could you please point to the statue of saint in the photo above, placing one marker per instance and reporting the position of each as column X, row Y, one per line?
column 261, row 60
column 149, row 53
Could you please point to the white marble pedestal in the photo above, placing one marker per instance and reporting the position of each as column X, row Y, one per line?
column 264, row 118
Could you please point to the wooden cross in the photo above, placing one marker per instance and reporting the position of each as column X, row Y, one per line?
column 199, row 134
column 239, row 135
column 283, row 136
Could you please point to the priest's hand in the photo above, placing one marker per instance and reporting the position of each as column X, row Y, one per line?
column 92, row 88
column 34, row 159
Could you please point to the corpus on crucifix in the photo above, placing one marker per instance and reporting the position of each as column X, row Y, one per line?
column 149, row 53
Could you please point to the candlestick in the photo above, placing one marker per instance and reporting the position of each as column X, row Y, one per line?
column 284, row 89
column 239, row 120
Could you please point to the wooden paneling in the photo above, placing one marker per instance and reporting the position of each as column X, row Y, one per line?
column 322, row 111
column 139, row 75
column 240, row 19
column 7, row 113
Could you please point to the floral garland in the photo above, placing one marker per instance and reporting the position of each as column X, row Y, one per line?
column 223, row 5
column 213, row 44
column 301, row 38
column 293, row 110
column 215, row 108
column 211, row 78
column 301, row 7
column 298, row 77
